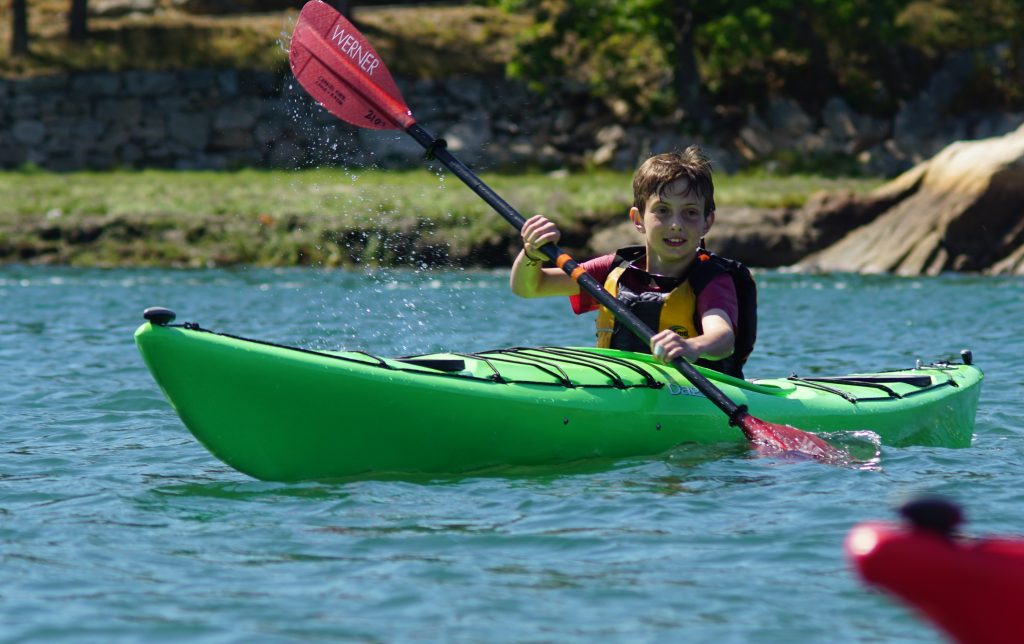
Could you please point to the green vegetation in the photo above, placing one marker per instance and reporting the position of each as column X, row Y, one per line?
column 645, row 57
column 654, row 56
column 329, row 217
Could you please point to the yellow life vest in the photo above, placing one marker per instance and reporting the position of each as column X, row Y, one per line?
column 678, row 310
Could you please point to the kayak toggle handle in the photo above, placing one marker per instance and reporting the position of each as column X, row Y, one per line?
column 967, row 356
column 159, row 316
column 933, row 513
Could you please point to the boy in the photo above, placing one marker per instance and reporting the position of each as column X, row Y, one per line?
column 702, row 307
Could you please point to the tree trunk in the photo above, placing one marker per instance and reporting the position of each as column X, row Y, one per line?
column 78, row 26
column 685, row 76
column 19, row 27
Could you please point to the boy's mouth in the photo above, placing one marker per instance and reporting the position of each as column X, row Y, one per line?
column 675, row 241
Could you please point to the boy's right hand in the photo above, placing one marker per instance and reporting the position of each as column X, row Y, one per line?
column 538, row 231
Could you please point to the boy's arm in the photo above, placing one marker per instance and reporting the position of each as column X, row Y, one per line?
column 718, row 335
column 715, row 343
column 719, row 338
column 528, row 278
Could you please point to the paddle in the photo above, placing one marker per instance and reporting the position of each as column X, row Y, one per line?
column 342, row 71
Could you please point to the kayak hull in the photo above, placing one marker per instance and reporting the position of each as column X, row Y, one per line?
column 285, row 414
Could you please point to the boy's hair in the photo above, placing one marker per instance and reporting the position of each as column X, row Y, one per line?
column 657, row 172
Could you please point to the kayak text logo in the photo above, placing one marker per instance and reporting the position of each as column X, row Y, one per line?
column 679, row 390
column 352, row 48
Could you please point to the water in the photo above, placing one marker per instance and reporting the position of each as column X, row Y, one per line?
column 115, row 525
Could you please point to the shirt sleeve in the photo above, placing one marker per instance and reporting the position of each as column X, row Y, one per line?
column 599, row 267
column 720, row 293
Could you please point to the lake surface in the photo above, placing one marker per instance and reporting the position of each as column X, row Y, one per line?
column 116, row 525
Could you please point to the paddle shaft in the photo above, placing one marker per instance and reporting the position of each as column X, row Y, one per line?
column 437, row 149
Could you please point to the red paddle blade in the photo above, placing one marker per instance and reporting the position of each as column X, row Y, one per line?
column 342, row 71
column 772, row 438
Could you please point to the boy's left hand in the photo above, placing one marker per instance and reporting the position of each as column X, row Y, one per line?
column 668, row 345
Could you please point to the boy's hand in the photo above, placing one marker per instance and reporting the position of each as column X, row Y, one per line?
column 537, row 231
column 668, row 345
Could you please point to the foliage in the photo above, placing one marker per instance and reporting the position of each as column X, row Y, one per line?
column 874, row 53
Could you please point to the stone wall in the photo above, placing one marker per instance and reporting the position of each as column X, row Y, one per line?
column 226, row 118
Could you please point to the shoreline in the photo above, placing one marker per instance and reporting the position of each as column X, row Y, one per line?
column 327, row 217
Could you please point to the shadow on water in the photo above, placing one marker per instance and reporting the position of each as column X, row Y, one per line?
column 682, row 457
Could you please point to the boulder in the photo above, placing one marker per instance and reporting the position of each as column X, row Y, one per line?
column 958, row 211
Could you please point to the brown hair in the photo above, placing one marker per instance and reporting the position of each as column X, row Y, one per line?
column 657, row 172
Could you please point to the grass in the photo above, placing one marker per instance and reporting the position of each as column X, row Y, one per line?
column 332, row 217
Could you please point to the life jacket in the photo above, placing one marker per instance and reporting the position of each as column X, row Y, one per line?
column 677, row 309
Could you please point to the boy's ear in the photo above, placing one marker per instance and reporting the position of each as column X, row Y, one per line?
column 708, row 221
column 636, row 218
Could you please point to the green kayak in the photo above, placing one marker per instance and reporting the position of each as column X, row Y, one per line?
column 285, row 414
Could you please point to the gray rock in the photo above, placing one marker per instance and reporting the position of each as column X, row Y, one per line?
column 149, row 83
column 191, row 130
column 234, row 140
column 840, row 119
column 286, row 154
column 28, row 132
column 467, row 137
column 386, row 147
column 151, row 129
column 123, row 111
column 12, row 153
column 89, row 85
column 996, row 124
column 786, row 120
column 227, row 81
column 237, row 115
column 754, row 140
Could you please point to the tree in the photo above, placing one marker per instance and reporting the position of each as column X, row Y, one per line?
column 657, row 56
column 78, row 25
column 19, row 27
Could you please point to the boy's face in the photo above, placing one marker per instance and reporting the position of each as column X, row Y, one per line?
column 673, row 223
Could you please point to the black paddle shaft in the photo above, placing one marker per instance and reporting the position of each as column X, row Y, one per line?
column 437, row 149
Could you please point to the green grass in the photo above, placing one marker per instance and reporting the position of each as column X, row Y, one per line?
column 352, row 196
column 332, row 217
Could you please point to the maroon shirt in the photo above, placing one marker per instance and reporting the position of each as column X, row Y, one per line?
column 720, row 293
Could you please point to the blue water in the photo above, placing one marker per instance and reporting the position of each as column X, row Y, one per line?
column 115, row 525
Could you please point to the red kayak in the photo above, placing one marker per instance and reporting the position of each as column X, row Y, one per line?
column 973, row 589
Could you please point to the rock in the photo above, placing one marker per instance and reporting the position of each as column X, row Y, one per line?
column 189, row 129
column 388, row 148
column 840, row 119
column 467, row 138
column 959, row 211
column 29, row 132
column 786, row 120
column 759, row 237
